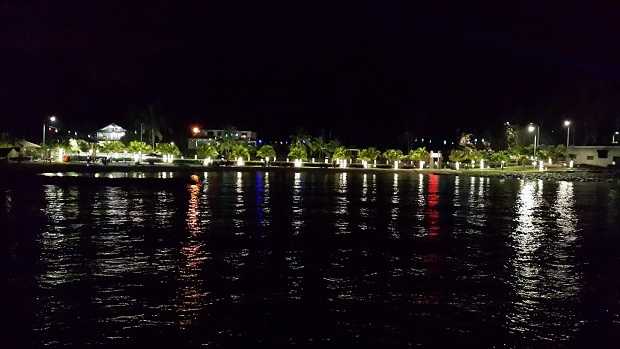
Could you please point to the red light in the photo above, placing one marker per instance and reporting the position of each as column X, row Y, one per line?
column 432, row 215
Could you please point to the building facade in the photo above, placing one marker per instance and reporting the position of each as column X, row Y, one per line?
column 112, row 132
column 593, row 155
column 212, row 135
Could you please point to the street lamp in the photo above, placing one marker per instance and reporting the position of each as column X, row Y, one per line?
column 51, row 119
column 567, row 125
column 531, row 128
column 613, row 138
column 195, row 132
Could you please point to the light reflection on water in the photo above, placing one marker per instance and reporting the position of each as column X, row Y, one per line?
column 507, row 256
column 297, row 205
column 342, row 205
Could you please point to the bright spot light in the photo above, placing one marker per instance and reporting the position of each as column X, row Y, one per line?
column 195, row 130
column 52, row 118
column 566, row 123
column 531, row 128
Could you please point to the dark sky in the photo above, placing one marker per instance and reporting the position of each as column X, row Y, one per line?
column 360, row 70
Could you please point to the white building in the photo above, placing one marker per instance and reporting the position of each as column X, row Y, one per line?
column 595, row 155
column 208, row 136
column 112, row 132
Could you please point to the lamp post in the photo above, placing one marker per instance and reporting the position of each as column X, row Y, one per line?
column 613, row 138
column 195, row 132
column 51, row 119
column 567, row 125
column 531, row 128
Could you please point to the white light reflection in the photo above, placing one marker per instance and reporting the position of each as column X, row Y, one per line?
column 421, row 206
column 164, row 208
column 526, row 241
column 297, row 217
column 342, row 205
column 457, row 194
column 393, row 225
column 364, row 207
column 239, row 208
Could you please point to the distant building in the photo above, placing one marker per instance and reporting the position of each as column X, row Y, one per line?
column 209, row 136
column 593, row 155
column 112, row 132
column 8, row 153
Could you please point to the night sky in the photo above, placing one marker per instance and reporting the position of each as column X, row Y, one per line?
column 362, row 71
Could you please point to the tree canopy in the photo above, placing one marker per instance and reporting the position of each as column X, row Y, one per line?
column 369, row 154
column 138, row 147
column 419, row 154
column 266, row 151
column 111, row 147
column 341, row 153
column 239, row 150
column 205, row 151
column 167, row 149
column 393, row 154
column 298, row 152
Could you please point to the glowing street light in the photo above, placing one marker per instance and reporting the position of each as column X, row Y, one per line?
column 195, row 130
column 51, row 119
column 567, row 125
column 613, row 138
column 531, row 128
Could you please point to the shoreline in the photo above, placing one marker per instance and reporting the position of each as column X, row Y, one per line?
column 557, row 174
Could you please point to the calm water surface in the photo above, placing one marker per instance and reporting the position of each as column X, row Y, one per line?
column 251, row 258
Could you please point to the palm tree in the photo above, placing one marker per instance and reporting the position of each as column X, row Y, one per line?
column 138, row 147
column 419, row 154
column 341, row 153
column 240, row 150
column 207, row 151
column 168, row 149
column 457, row 155
column 331, row 146
column 298, row 152
column 266, row 151
column 226, row 146
column 499, row 157
column 111, row 147
column 149, row 125
column 393, row 154
column 318, row 147
column 369, row 154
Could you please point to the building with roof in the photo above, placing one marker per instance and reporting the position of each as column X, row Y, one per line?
column 208, row 136
column 112, row 132
column 595, row 155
